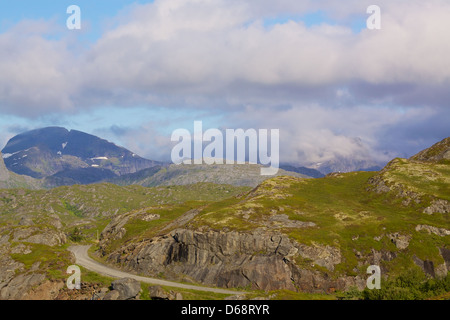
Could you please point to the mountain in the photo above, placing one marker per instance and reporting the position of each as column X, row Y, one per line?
column 345, row 164
column 303, row 170
column 12, row 180
column 61, row 156
column 236, row 175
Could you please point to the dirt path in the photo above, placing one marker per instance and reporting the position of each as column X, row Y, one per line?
column 83, row 259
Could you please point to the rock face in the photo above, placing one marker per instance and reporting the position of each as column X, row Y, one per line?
column 233, row 259
column 18, row 287
column 48, row 237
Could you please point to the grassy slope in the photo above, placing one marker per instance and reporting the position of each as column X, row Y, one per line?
column 343, row 210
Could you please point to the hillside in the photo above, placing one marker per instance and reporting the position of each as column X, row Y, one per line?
column 315, row 235
column 237, row 175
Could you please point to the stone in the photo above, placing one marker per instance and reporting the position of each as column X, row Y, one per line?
column 430, row 229
column 20, row 285
column 128, row 288
column 158, row 293
column 401, row 241
column 112, row 295
column 438, row 206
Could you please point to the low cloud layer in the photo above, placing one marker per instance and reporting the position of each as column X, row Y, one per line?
column 330, row 90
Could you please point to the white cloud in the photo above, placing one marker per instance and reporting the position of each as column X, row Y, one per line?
column 335, row 85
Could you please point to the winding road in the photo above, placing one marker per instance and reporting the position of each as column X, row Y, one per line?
column 83, row 259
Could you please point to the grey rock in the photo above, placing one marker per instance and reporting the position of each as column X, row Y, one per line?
column 258, row 260
column 158, row 293
column 438, row 206
column 430, row 229
column 48, row 237
column 112, row 295
column 324, row 256
column 20, row 285
column 127, row 288
column 401, row 241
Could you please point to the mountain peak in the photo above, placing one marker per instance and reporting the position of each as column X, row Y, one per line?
column 68, row 156
column 437, row 153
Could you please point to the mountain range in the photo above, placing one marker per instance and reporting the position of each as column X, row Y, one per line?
column 54, row 156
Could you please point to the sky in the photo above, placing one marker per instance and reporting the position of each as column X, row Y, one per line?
column 138, row 70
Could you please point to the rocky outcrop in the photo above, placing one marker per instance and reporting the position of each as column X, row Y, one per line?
column 19, row 286
column 49, row 237
column 438, row 152
column 430, row 229
column 401, row 241
column 438, row 206
column 259, row 260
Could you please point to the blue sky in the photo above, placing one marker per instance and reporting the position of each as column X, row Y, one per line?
column 95, row 14
column 137, row 70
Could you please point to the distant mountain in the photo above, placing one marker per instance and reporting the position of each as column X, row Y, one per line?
column 12, row 180
column 236, row 175
column 303, row 170
column 346, row 164
column 64, row 157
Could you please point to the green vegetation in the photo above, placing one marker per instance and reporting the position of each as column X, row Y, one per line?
column 52, row 260
column 347, row 215
column 357, row 213
column 412, row 285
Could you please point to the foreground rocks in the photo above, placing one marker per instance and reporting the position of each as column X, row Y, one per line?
column 124, row 289
column 235, row 260
column 158, row 293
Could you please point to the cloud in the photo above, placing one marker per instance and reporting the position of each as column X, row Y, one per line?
column 331, row 90
column 192, row 52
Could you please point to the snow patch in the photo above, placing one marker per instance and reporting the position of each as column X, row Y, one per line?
column 64, row 145
column 100, row 158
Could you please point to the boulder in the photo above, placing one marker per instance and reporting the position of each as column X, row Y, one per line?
column 158, row 293
column 112, row 295
column 128, row 288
